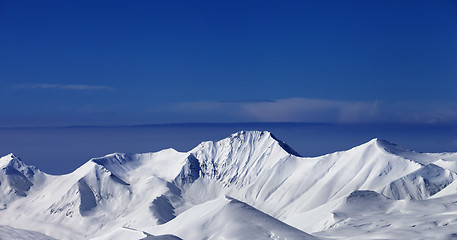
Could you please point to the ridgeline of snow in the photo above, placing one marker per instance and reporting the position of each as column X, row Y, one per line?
column 228, row 218
column 248, row 186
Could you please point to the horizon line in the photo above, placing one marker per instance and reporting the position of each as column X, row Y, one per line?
column 189, row 124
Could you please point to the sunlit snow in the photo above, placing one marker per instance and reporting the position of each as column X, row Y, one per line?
column 248, row 186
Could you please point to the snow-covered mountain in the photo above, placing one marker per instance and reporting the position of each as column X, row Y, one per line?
column 248, row 186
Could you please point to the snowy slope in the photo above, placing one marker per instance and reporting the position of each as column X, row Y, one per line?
column 281, row 184
column 95, row 195
column 421, row 184
column 372, row 216
column 228, row 218
column 20, row 234
column 17, row 179
column 272, row 191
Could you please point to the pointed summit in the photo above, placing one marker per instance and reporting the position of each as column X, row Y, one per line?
column 11, row 162
column 385, row 146
column 17, row 178
column 380, row 143
column 242, row 157
column 254, row 139
column 286, row 147
column 390, row 147
column 397, row 150
column 248, row 136
column 9, row 159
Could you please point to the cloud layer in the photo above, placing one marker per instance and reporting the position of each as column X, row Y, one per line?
column 80, row 87
column 321, row 110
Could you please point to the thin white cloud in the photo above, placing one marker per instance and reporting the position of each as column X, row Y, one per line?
column 288, row 110
column 80, row 87
column 321, row 110
column 313, row 110
column 436, row 115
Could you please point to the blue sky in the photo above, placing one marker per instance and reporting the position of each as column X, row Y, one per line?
column 139, row 62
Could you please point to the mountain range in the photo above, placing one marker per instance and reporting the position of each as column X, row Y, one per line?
column 249, row 185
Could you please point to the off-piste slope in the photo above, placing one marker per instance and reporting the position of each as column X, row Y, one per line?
column 254, row 167
column 16, row 179
column 228, row 218
column 109, row 192
column 156, row 194
column 369, row 215
column 14, row 233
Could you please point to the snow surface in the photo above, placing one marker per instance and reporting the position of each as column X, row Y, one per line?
column 247, row 186
column 21, row 234
column 228, row 218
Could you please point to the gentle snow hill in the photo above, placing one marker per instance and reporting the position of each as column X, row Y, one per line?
column 228, row 218
column 422, row 158
column 129, row 233
column 372, row 216
column 169, row 194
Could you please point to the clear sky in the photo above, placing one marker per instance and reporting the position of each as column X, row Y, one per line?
column 139, row 62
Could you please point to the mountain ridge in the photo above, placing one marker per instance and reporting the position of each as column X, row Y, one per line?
column 144, row 191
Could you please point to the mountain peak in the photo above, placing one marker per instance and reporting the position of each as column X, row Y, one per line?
column 393, row 148
column 12, row 155
column 286, row 147
column 8, row 156
column 241, row 135
column 387, row 146
column 259, row 136
column 380, row 142
column 11, row 160
column 241, row 156
column 171, row 192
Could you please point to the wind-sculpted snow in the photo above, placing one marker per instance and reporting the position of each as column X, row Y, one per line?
column 228, row 218
column 420, row 184
column 250, row 185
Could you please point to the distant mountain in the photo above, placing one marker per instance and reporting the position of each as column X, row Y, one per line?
column 250, row 185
